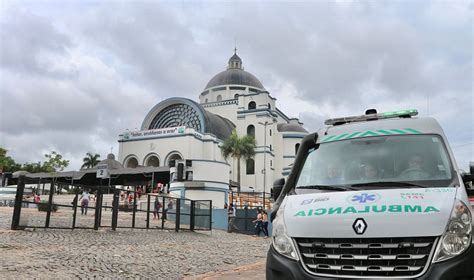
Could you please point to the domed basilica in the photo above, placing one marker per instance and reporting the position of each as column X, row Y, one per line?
column 185, row 135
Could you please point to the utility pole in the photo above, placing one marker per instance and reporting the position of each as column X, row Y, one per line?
column 264, row 161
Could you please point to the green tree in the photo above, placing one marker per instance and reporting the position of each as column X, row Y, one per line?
column 55, row 162
column 33, row 167
column 238, row 148
column 90, row 161
column 7, row 164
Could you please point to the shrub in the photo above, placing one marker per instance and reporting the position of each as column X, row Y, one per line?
column 43, row 206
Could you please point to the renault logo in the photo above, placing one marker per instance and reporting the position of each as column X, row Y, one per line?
column 359, row 226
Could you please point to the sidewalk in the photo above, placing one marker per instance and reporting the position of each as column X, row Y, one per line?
column 255, row 271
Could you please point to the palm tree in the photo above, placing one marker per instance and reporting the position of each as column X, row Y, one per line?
column 90, row 160
column 238, row 148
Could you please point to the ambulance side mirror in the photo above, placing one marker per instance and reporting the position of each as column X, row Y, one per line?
column 277, row 187
column 470, row 192
column 469, row 177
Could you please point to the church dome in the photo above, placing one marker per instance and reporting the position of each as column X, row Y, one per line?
column 111, row 162
column 235, row 75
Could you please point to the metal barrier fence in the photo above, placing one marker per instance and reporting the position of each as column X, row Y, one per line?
column 244, row 220
column 251, row 199
column 111, row 211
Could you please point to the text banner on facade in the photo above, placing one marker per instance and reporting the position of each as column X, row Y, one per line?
column 154, row 133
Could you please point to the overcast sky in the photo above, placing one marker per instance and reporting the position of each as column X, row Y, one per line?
column 76, row 74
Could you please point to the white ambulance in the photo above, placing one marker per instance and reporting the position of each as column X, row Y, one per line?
column 373, row 196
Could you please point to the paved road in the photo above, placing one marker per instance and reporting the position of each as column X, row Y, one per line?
column 255, row 271
column 147, row 254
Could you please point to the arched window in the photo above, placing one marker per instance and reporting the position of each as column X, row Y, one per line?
column 219, row 97
column 269, row 106
column 250, row 166
column 270, row 132
column 252, row 105
column 271, row 163
column 270, row 147
column 236, row 96
column 205, row 101
column 174, row 157
column 179, row 114
column 153, row 161
column 132, row 163
column 297, row 146
column 251, row 130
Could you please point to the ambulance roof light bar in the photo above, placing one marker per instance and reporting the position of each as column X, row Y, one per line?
column 372, row 116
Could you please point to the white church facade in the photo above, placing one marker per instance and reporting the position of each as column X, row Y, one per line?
column 189, row 133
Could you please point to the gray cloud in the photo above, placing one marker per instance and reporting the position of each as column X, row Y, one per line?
column 153, row 43
column 29, row 43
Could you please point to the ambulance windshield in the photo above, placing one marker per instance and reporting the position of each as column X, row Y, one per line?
column 416, row 160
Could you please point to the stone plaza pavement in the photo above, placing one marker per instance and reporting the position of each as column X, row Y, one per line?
column 126, row 253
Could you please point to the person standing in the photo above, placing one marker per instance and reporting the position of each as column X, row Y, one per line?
column 139, row 192
column 265, row 223
column 156, row 213
column 130, row 199
column 231, row 213
column 258, row 223
column 165, row 210
column 170, row 207
column 84, row 202
column 74, row 201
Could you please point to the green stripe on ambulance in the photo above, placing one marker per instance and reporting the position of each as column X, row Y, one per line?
column 380, row 132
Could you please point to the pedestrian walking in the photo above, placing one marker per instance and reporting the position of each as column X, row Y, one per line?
column 156, row 213
column 232, row 214
column 130, row 198
column 165, row 213
column 265, row 223
column 85, row 197
column 169, row 207
column 74, row 201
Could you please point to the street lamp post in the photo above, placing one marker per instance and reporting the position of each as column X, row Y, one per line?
column 264, row 160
